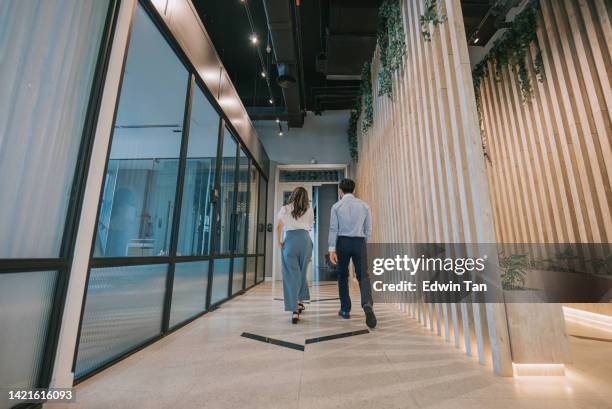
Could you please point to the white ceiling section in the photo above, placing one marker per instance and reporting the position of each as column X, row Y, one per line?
column 186, row 27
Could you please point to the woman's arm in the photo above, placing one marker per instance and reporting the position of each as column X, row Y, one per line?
column 279, row 232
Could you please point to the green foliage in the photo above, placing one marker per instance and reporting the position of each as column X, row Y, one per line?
column 391, row 44
column 514, row 271
column 366, row 92
column 602, row 265
column 392, row 47
column 362, row 102
column 511, row 50
column 431, row 17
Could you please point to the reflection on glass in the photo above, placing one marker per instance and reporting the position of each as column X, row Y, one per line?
column 253, row 212
column 197, row 207
column 260, row 268
column 220, row 282
column 26, row 300
column 242, row 202
column 226, row 195
column 250, row 271
column 140, row 185
column 261, row 222
column 123, row 309
column 48, row 56
column 237, row 275
column 188, row 291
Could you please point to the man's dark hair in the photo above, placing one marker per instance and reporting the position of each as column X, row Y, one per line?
column 347, row 185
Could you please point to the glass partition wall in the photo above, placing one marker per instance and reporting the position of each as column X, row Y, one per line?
column 181, row 221
column 53, row 59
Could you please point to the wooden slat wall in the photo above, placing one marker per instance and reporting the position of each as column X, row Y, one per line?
column 551, row 156
column 422, row 170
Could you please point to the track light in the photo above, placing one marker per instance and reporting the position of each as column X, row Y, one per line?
column 254, row 39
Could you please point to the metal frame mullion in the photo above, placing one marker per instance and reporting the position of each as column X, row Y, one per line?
column 234, row 216
column 214, row 240
column 246, row 233
column 178, row 199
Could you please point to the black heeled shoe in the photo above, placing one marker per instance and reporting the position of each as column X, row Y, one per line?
column 301, row 308
column 295, row 317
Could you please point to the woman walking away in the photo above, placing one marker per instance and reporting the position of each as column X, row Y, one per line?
column 295, row 219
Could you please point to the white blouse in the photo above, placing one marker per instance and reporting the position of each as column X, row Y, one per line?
column 304, row 222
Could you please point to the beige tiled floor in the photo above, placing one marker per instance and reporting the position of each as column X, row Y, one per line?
column 207, row 364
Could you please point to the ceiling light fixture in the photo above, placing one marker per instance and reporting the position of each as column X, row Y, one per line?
column 254, row 39
column 476, row 40
column 271, row 101
column 263, row 74
column 278, row 120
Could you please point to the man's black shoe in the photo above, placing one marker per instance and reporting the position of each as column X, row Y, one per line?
column 345, row 315
column 370, row 317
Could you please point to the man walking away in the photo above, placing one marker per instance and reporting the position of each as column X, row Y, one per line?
column 350, row 228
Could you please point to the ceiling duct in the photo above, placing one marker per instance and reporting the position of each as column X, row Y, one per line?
column 282, row 25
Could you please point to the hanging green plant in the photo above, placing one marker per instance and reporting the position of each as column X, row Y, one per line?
column 362, row 102
column 391, row 44
column 511, row 50
column 431, row 17
column 368, row 101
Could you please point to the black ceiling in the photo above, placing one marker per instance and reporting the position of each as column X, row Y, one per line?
column 337, row 36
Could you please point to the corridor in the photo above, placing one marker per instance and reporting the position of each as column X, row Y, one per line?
column 208, row 364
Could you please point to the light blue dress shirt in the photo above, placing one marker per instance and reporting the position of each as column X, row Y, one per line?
column 349, row 217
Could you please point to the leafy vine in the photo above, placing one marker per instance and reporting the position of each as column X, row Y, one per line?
column 363, row 102
column 431, row 17
column 391, row 44
column 511, row 51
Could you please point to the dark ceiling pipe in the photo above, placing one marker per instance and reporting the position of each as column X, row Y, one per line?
column 279, row 14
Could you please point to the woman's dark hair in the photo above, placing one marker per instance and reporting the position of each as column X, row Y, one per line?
column 299, row 198
column 347, row 185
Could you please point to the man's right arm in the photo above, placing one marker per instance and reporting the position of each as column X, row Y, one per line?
column 333, row 229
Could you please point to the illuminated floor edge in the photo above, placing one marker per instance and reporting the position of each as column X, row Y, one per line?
column 207, row 364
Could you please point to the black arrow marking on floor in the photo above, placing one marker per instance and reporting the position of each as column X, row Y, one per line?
column 336, row 336
column 273, row 341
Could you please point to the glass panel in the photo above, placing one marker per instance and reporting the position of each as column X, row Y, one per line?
column 48, row 54
column 197, row 207
column 220, row 282
column 123, row 309
column 188, row 291
column 226, row 194
column 261, row 228
column 260, row 268
column 253, row 196
column 241, row 206
column 26, row 300
column 140, row 185
column 250, row 271
column 238, row 275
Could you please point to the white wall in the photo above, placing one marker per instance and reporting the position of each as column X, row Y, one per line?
column 322, row 137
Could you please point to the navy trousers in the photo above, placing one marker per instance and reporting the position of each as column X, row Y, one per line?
column 354, row 248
